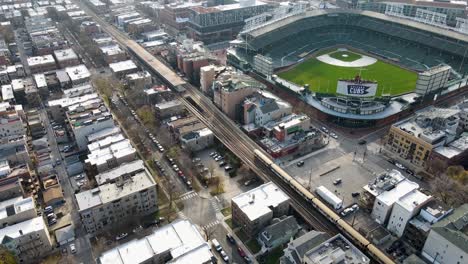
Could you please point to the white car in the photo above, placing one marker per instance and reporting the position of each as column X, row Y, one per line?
column 72, row 248
column 121, row 236
column 224, row 256
column 400, row 166
column 333, row 135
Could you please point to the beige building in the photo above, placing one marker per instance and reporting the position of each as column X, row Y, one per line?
column 413, row 139
column 120, row 199
column 11, row 121
column 253, row 210
column 230, row 90
column 28, row 240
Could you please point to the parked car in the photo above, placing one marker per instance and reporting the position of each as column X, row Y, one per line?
column 410, row 172
column 216, row 245
column 355, row 194
column 121, row 236
column 300, row 163
column 324, row 129
column 224, row 256
column 241, row 252
column 52, row 222
column 400, row 166
column 362, row 142
column 333, row 135
column 48, row 210
column 222, row 163
column 228, row 168
column 72, row 248
column 248, row 182
column 337, row 181
column 230, row 238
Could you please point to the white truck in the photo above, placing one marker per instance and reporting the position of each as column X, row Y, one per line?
column 329, row 197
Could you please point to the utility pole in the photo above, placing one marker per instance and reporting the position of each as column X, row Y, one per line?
column 310, row 179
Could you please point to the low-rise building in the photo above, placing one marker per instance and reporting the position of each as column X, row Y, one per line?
column 452, row 154
column 384, row 191
column 139, row 80
column 335, row 250
column 413, row 139
column 419, row 227
column 230, row 91
column 123, row 68
column 28, row 240
column 116, row 203
column 447, row 240
column 255, row 209
column 41, row 63
column 207, row 77
column 263, row 107
column 111, row 156
column 78, row 74
column 404, row 209
column 66, row 58
column 177, row 242
column 7, row 93
column 168, row 109
column 113, row 53
column 87, row 117
column 197, row 140
column 11, row 121
column 279, row 232
column 16, row 210
column 296, row 249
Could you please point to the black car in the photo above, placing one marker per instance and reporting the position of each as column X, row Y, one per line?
column 355, row 194
column 300, row 163
column 362, row 142
column 230, row 238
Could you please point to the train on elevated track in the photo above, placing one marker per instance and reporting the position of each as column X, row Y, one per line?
column 335, row 218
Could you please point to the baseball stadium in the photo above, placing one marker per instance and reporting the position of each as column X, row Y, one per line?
column 325, row 55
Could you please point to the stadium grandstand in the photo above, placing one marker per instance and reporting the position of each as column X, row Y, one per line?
column 289, row 52
column 414, row 45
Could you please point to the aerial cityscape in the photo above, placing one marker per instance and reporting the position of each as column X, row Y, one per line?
column 234, row 131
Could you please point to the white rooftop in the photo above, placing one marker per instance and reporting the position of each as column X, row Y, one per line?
column 109, row 192
column 401, row 189
column 26, row 227
column 103, row 133
column 78, row 72
column 19, row 204
column 124, row 169
column 65, row 54
column 40, row 80
column 181, row 238
column 38, row 60
column 256, row 202
column 116, row 150
column 66, row 102
column 105, row 142
column 7, row 92
column 413, row 200
column 122, row 66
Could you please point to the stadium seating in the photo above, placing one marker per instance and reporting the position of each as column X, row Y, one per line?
column 411, row 47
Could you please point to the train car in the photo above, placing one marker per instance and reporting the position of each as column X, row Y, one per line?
column 347, row 228
column 317, row 203
column 263, row 157
column 378, row 254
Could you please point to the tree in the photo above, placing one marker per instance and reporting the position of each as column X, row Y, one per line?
column 7, row 257
column 458, row 173
column 146, row 115
column 449, row 190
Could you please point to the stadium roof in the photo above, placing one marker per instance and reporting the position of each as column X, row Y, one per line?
column 318, row 12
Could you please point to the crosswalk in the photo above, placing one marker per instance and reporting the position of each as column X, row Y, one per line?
column 181, row 215
column 211, row 225
column 188, row 195
column 215, row 204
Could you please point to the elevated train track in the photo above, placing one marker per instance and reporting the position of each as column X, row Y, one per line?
column 317, row 214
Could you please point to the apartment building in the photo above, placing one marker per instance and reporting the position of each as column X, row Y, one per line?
column 87, row 117
column 16, row 210
column 123, row 68
column 11, row 121
column 28, row 240
column 78, row 74
column 177, row 242
column 66, row 58
column 117, row 201
column 230, row 90
column 446, row 242
column 413, row 139
column 254, row 209
column 41, row 63
column 109, row 153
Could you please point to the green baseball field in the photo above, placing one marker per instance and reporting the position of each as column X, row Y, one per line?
column 323, row 72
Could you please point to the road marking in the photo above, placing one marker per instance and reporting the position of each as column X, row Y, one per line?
column 212, row 224
column 215, row 205
column 188, row 195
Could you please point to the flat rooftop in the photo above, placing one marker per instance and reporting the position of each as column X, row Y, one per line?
column 336, row 250
column 103, row 134
column 78, row 72
column 15, row 206
column 257, row 202
column 109, row 192
column 181, row 238
column 25, row 227
column 65, row 54
column 124, row 169
column 413, row 199
column 117, row 150
column 40, row 60
column 122, row 66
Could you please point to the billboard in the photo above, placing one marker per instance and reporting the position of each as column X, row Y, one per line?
column 356, row 88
